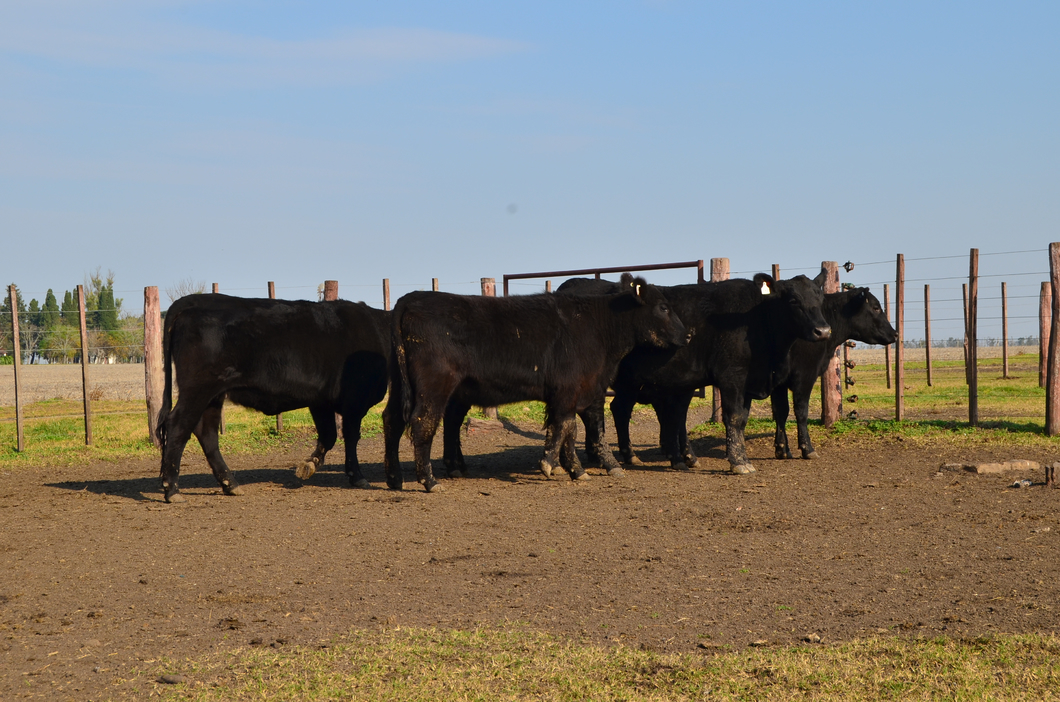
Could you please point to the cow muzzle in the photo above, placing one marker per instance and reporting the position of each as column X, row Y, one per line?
column 822, row 333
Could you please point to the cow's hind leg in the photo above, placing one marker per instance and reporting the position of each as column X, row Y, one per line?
column 393, row 428
column 622, row 413
column 779, row 402
column 327, row 434
column 179, row 425
column 206, row 431
column 351, row 434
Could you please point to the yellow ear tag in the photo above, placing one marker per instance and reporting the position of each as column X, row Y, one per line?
column 765, row 288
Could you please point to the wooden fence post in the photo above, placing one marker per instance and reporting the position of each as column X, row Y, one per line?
column 216, row 288
column 964, row 293
column 331, row 292
column 831, row 380
column 279, row 417
column 20, row 440
column 973, row 342
column 1004, row 331
column 1052, row 382
column 887, row 349
column 386, row 294
column 719, row 271
column 84, row 365
column 548, row 286
column 776, row 271
column 154, row 380
column 1045, row 326
column 899, row 346
column 927, row 331
column 434, row 284
column 489, row 289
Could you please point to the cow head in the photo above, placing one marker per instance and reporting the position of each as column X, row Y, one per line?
column 656, row 324
column 799, row 302
column 866, row 319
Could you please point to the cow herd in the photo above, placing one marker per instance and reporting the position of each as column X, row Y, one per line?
column 439, row 354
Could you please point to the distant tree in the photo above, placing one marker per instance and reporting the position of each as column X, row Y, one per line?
column 50, row 315
column 184, row 287
column 69, row 310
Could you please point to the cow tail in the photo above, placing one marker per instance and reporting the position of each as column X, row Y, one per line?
column 167, row 392
column 402, row 367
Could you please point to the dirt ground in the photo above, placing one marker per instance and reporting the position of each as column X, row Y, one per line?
column 100, row 579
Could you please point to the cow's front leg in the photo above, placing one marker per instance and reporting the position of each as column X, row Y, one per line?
column 351, row 435
column 595, row 444
column 206, row 432
column 452, row 453
column 679, row 419
column 735, row 408
column 779, row 403
column 622, row 413
column 561, row 429
column 802, row 422
column 179, row 424
column 327, row 433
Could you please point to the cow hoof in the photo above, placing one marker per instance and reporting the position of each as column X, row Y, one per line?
column 743, row 469
column 360, row 483
column 306, row 470
column 583, row 476
column 810, row 455
column 691, row 461
column 616, row 472
column 782, row 454
column 175, row 498
column 395, row 483
column 433, row 485
column 633, row 461
column 678, row 465
column 546, row 469
column 233, row 491
column 458, row 474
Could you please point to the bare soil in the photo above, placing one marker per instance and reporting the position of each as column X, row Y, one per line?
column 100, row 579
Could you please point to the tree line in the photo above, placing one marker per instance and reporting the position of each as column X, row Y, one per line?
column 51, row 332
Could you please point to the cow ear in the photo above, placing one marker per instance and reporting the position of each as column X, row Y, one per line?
column 627, row 281
column 764, row 283
column 821, row 278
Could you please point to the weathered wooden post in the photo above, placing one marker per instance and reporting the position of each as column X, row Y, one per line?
column 489, row 289
column 548, row 286
column 84, row 364
column 973, row 333
column 20, row 441
column 216, row 288
column 279, row 417
column 154, row 379
column 1052, row 381
column 719, row 271
column 1004, row 331
column 887, row 349
column 434, row 284
column 331, row 292
column 831, row 381
column 927, row 331
column 967, row 371
column 386, row 294
column 1045, row 326
column 776, row 271
column 899, row 346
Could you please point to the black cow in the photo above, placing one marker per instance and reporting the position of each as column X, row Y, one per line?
column 273, row 356
column 453, row 351
column 741, row 333
column 852, row 314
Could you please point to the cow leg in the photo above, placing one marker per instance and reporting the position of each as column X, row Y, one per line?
column 179, row 425
column 779, row 403
column 679, row 417
column 622, row 413
column 802, row 421
column 452, row 453
column 561, row 433
column 595, row 445
column 206, row 432
column 351, row 434
column 327, row 433
column 735, row 408
column 393, row 428
column 423, row 427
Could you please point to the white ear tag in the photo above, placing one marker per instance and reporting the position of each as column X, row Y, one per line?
column 765, row 288
column 638, row 290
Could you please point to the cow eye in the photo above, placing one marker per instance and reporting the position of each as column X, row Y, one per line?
column 664, row 308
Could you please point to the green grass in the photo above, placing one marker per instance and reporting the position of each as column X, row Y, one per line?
column 517, row 664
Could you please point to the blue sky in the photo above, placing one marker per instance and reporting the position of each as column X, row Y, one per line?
column 242, row 142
